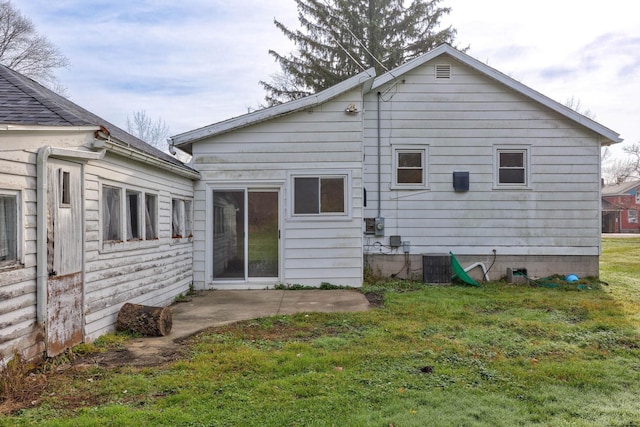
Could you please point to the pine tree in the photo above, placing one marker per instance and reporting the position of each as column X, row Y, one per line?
column 340, row 38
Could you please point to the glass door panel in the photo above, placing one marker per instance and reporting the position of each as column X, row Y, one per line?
column 228, row 235
column 263, row 233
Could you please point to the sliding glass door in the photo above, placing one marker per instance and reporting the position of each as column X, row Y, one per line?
column 245, row 234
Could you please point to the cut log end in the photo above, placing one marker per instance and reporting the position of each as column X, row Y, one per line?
column 145, row 320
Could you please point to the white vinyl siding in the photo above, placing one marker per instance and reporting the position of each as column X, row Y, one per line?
column 464, row 120
column 319, row 142
column 151, row 269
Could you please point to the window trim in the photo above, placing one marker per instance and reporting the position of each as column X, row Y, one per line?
column 347, row 182
column 124, row 243
column 497, row 150
column 396, row 150
column 632, row 219
column 185, row 212
column 19, row 260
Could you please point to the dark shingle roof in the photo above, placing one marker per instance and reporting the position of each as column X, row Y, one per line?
column 23, row 101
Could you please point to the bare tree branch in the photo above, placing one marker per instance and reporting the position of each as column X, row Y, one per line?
column 27, row 52
column 153, row 132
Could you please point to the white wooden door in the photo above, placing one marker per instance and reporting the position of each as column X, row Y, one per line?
column 64, row 256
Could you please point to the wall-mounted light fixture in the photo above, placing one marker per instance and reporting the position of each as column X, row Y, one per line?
column 351, row 109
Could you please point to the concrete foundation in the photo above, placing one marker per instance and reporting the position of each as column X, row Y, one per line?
column 410, row 266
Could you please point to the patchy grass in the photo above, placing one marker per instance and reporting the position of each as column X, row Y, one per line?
column 498, row 355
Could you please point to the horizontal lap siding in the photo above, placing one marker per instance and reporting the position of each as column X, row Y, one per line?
column 322, row 139
column 19, row 330
column 461, row 120
column 148, row 272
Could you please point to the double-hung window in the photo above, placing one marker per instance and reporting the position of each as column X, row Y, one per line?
column 409, row 167
column 319, row 195
column 9, row 229
column 512, row 167
column 632, row 214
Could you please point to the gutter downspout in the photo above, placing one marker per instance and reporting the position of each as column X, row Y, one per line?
column 379, row 157
column 41, row 218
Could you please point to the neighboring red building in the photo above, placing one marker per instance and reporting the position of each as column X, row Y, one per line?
column 620, row 206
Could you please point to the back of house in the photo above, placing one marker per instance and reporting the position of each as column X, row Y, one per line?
column 392, row 173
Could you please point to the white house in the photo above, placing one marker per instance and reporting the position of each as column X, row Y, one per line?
column 442, row 154
column 90, row 218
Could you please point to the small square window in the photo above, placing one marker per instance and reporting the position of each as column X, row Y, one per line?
column 319, row 195
column 409, row 167
column 512, row 167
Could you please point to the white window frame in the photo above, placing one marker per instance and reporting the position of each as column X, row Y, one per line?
column 184, row 218
column 526, row 151
column 19, row 260
column 638, row 196
column 399, row 149
column 124, row 242
column 632, row 216
column 324, row 174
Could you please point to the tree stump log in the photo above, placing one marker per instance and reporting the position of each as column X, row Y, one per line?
column 145, row 320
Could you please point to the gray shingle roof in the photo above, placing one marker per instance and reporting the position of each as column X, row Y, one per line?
column 23, row 101
column 620, row 189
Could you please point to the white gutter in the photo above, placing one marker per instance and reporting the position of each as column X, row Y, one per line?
column 41, row 218
column 144, row 158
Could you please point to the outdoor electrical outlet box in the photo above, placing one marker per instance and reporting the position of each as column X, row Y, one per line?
column 395, row 241
column 406, row 246
column 379, row 226
column 461, row 181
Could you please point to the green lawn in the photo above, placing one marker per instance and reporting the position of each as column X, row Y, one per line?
column 498, row 355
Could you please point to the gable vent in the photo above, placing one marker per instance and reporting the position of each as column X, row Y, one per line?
column 443, row 71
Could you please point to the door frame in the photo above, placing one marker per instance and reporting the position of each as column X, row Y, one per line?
column 247, row 282
column 57, row 270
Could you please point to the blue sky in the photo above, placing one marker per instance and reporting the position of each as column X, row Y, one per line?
column 197, row 62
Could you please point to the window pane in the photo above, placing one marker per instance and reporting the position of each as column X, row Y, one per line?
column 511, row 160
column 8, row 229
column 188, row 218
column 228, row 237
column 176, row 218
column 413, row 160
column 111, row 214
column 150, row 205
column 332, row 195
column 133, row 215
column 512, row 176
column 409, row 176
column 306, row 200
